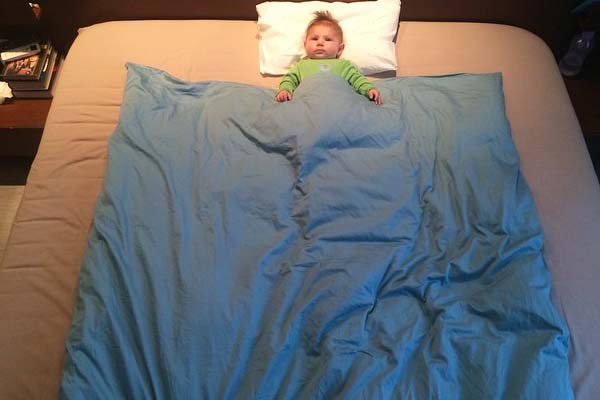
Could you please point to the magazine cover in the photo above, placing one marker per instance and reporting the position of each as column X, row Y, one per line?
column 21, row 67
column 27, row 68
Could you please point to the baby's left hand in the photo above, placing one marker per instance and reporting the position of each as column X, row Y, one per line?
column 375, row 96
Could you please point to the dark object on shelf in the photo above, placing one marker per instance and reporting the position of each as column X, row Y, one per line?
column 581, row 45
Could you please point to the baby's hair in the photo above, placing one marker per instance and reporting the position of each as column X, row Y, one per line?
column 325, row 18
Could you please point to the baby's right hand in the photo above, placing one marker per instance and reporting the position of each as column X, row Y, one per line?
column 283, row 95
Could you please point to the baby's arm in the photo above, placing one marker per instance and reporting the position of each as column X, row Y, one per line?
column 361, row 84
column 288, row 84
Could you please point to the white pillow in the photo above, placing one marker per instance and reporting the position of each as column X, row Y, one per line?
column 369, row 29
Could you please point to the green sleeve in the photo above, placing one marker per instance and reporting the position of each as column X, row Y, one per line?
column 291, row 80
column 358, row 81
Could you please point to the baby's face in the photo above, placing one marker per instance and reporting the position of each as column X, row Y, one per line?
column 322, row 41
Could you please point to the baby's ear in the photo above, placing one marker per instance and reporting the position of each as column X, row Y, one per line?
column 340, row 50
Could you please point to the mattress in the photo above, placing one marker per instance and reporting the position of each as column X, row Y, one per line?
column 38, row 278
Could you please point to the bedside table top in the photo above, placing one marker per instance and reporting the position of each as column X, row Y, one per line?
column 24, row 113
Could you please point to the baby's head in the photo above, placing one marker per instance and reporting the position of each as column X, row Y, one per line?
column 324, row 37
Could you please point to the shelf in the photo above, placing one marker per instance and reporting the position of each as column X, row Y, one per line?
column 24, row 113
column 21, row 125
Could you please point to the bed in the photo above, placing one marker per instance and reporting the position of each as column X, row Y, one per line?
column 61, row 215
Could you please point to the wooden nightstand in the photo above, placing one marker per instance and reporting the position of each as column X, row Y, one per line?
column 21, row 125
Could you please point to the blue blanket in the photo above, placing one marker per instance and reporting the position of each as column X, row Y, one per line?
column 320, row 248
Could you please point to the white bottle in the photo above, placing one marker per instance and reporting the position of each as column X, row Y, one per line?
column 581, row 46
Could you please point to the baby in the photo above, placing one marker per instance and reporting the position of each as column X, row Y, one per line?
column 324, row 44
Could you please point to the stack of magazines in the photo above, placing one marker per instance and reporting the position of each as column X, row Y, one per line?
column 33, row 75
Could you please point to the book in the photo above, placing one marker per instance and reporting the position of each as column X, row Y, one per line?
column 41, row 84
column 28, row 68
column 45, row 93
